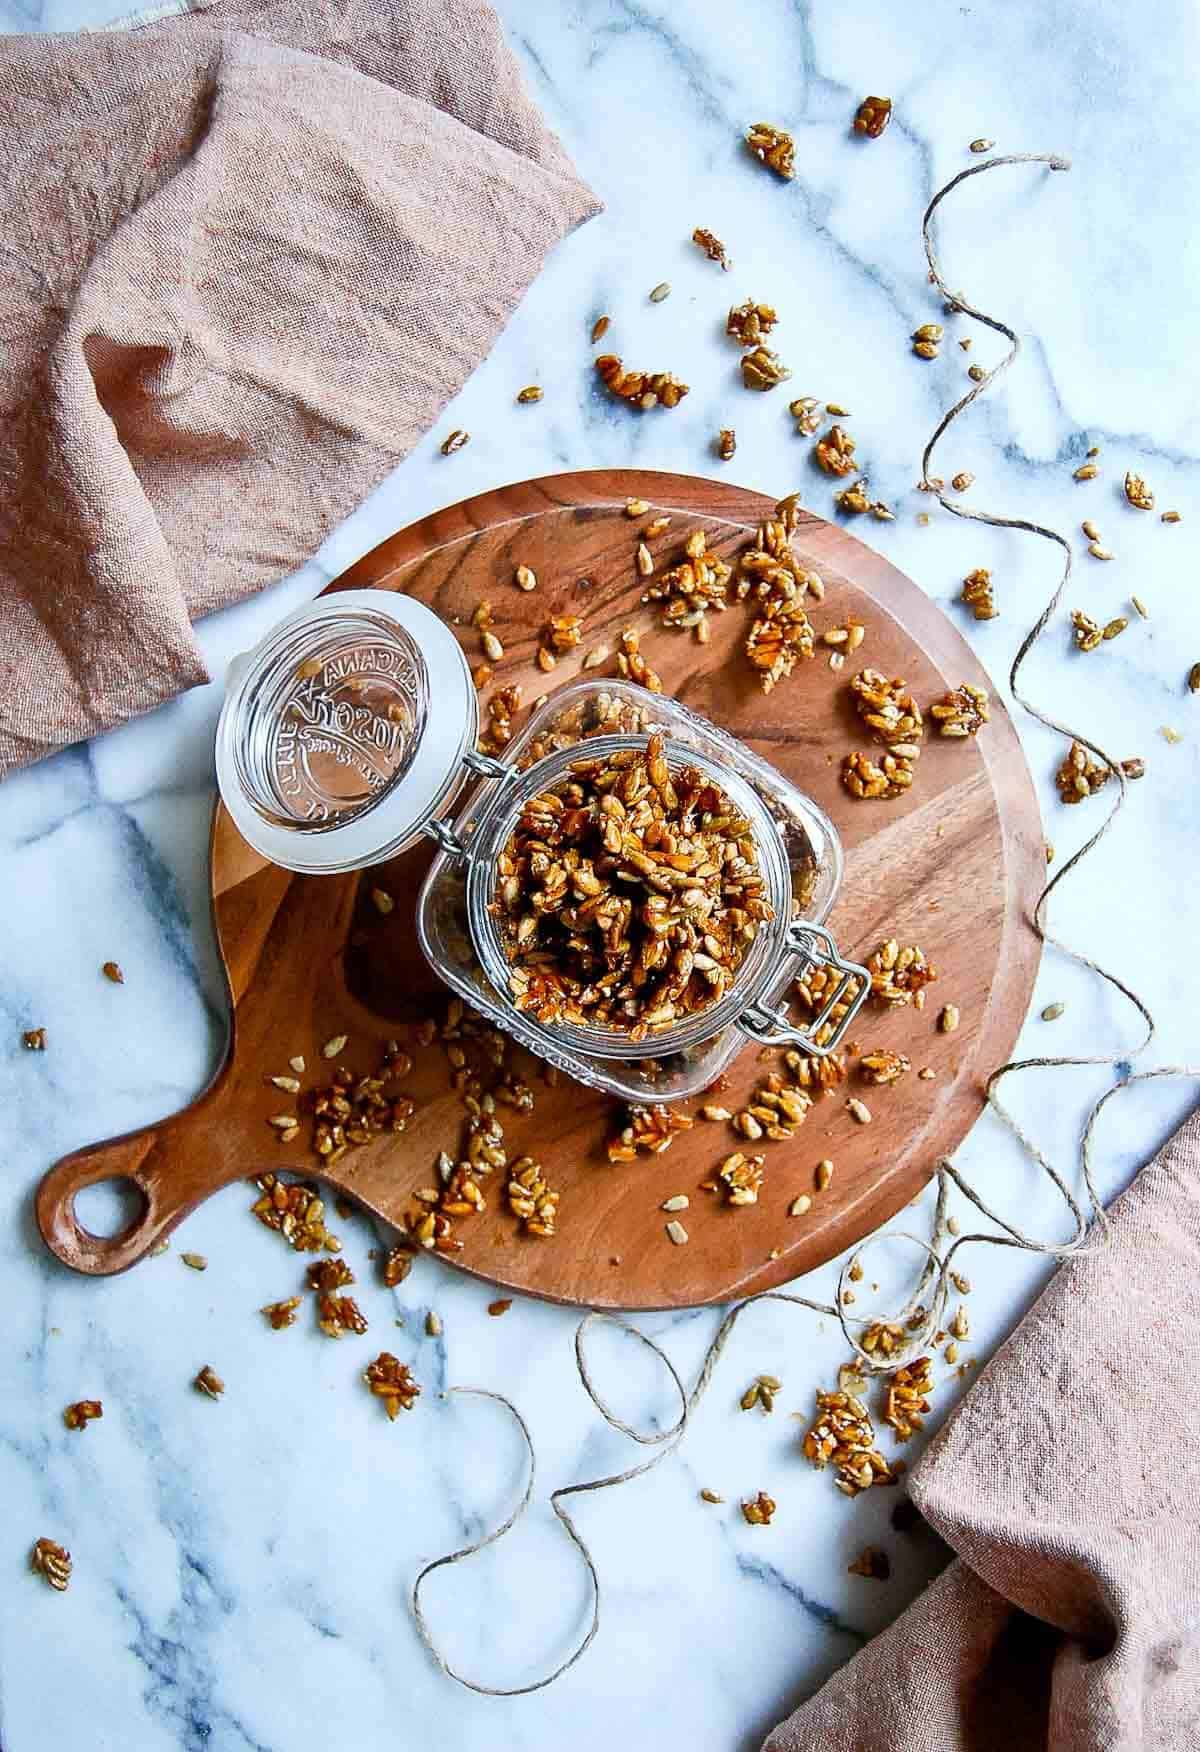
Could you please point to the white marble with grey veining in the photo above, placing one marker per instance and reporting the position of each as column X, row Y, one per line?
column 242, row 1568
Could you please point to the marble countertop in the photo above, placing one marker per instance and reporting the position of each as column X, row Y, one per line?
column 241, row 1569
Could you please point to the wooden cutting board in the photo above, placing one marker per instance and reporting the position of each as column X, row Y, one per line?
column 954, row 866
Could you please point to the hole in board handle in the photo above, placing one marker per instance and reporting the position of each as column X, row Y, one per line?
column 108, row 1210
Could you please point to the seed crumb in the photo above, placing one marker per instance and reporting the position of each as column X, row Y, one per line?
column 281, row 1314
column 433, row 1324
column 53, row 1563
column 495, row 1309
column 710, row 1496
column 209, row 1382
column 1138, row 493
column 197, row 1261
column 34, row 1040
column 111, row 971
column 757, row 1512
column 82, row 1413
column 872, row 1563
column 773, row 147
column 712, row 246
column 800, row 1206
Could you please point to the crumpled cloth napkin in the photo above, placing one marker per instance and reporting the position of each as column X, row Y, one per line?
column 246, row 255
column 1068, row 1484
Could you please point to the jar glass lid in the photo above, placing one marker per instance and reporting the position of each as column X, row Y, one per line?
column 343, row 731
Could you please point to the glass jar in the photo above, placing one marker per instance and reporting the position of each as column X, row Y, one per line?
column 349, row 733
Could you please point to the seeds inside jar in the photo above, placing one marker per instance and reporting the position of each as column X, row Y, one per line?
column 627, row 897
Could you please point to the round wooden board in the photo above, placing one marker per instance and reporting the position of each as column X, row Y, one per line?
column 954, row 866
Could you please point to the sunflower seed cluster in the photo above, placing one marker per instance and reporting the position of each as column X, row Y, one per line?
column 641, row 389
column 843, row 1436
column 899, row 974
column 627, row 897
column 693, row 589
column 961, row 712
column 749, row 324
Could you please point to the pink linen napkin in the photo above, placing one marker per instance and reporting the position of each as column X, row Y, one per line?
column 246, row 256
column 1068, row 1484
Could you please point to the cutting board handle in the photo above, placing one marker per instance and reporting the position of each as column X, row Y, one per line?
column 170, row 1166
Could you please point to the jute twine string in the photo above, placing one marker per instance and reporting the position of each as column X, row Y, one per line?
column 922, row 1312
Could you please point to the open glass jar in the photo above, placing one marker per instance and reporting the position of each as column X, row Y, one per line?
column 350, row 732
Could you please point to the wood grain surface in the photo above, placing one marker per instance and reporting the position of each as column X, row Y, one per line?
column 954, row 866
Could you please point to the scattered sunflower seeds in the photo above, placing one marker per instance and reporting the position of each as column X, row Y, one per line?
column 679, row 1202
column 661, row 291
column 525, row 578
column 334, row 1045
column 383, row 901
column 677, row 1232
column 531, row 393
column 800, row 1206
column 455, row 441
column 111, row 971
column 433, row 1324
column 1051, row 1013
column 600, row 328
column 981, row 145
